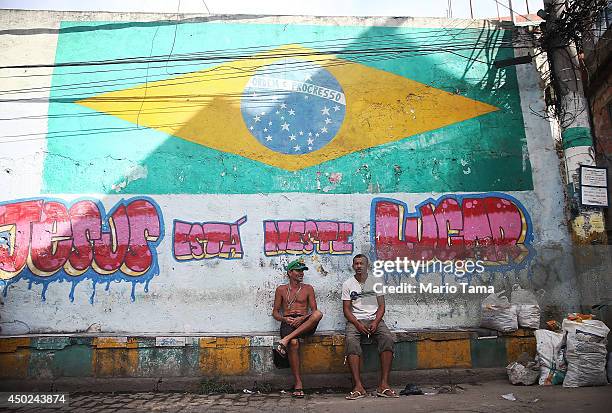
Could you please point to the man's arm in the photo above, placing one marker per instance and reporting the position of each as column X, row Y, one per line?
column 380, row 312
column 278, row 301
column 350, row 317
column 312, row 301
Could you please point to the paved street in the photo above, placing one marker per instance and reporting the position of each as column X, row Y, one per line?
column 463, row 398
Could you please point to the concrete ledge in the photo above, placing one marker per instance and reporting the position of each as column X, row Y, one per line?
column 269, row 382
column 48, row 358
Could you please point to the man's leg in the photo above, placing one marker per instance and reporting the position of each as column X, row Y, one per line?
column 354, row 362
column 353, row 356
column 385, row 340
column 294, row 361
column 386, row 358
column 308, row 325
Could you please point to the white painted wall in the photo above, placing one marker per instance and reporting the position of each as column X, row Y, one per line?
column 222, row 296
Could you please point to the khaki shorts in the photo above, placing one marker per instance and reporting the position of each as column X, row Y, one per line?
column 352, row 338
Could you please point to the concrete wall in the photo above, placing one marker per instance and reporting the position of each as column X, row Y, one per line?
column 54, row 361
column 114, row 175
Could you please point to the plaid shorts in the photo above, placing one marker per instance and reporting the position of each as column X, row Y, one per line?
column 352, row 338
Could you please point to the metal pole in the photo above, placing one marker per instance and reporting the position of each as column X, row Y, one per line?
column 511, row 11
column 471, row 10
column 576, row 136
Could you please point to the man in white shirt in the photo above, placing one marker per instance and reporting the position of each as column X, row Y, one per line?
column 364, row 310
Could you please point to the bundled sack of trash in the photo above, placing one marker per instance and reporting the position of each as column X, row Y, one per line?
column 551, row 356
column 523, row 371
column 498, row 314
column 586, row 352
column 527, row 307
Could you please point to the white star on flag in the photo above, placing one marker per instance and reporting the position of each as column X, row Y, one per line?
column 301, row 133
column 310, row 141
column 296, row 148
column 268, row 138
column 291, row 112
column 283, row 106
column 327, row 121
column 292, row 137
column 323, row 129
column 256, row 118
column 285, row 126
column 336, row 108
column 325, row 111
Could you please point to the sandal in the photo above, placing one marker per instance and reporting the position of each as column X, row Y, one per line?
column 387, row 393
column 281, row 350
column 354, row 395
column 298, row 393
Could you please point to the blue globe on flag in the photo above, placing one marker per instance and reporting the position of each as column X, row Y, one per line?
column 293, row 107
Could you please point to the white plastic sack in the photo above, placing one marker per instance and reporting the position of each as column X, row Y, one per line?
column 527, row 307
column 498, row 314
column 586, row 353
column 519, row 374
column 550, row 347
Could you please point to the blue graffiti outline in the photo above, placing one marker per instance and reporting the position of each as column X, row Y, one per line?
column 529, row 237
column 315, row 244
column 90, row 274
column 243, row 219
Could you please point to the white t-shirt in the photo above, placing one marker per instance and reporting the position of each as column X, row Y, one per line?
column 364, row 307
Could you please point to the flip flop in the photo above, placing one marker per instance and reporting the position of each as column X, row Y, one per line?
column 387, row 393
column 354, row 395
column 298, row 393
column 281, row 350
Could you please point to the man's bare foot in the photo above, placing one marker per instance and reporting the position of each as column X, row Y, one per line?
column 357, row 393
column 360, row 389
column 386, row 391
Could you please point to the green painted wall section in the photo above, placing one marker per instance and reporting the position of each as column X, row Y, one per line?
column 90, row 152
column 490, row 352
column 573, row 137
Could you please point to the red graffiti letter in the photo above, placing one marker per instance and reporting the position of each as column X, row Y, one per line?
column 86, row 227
column 16, row 220
column 110, row 249
column 144, row 228
column 51, row 240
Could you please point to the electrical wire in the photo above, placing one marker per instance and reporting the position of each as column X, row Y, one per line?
column 355, row 51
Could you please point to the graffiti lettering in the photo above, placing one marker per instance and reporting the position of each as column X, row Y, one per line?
column 304, row 237
column 46, row 236
column 195, row 241
column 491, row 227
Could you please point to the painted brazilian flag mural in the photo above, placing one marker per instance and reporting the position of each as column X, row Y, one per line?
column 252, row 108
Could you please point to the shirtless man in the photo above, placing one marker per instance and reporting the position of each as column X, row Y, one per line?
column 294, row 299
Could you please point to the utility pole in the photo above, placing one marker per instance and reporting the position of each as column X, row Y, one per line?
column 587, row 224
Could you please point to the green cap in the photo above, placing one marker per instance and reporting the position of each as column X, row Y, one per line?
column 297, row 265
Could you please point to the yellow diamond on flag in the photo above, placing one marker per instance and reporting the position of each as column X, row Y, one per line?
column 290, row 107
